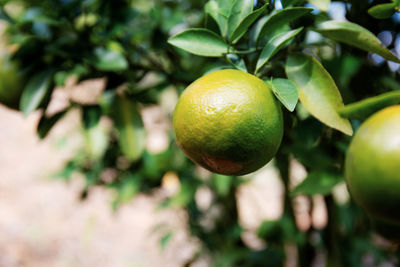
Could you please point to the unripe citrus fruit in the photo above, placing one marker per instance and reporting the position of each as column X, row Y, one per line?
column 12, row 81
column 373, row 165
column 229, row 122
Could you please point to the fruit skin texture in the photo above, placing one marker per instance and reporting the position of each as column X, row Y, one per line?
column 229, row 122
column 373, row 165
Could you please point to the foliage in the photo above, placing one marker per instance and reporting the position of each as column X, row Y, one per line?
column 298, row 49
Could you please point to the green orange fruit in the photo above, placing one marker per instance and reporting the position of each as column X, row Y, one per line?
column 229, row 122
column 12, row 81
column 373, row 165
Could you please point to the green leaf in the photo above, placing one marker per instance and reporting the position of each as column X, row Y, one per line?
column 47, row 123
column 240, row 10
column 363, row 109
column 228, row 13
column 270, row 230
column 382, row 11
column 129, row 124
column 96, row 137
column 320, row 183
column 35, row 91
column 36, row 14
column 355, row 35
column 222, row 184
column 286, row 3
column 237, row 62
column 184, row 196
column 165, row 240
column 128, row 187
column 109, row 60
column 212, row 8
column 4, row 16
column 273, row 23
column 106, row 101
column 241, row 29
column 286, row 91
column 274, row 45
column 201, row 42
column 60, row 77
column 317, row 91
column 322, row 5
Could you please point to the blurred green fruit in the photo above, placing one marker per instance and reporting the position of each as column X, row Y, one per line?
column 12, row 81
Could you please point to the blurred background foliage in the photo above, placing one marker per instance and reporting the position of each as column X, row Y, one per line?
column 54, row 44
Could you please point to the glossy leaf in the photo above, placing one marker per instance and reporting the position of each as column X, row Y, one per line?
column 274, row 45
column 286, row 91
column 35, row 91
column 382, row 11
column 363, row 109
column 274, row 22
column 129, row 124
column 212, row 8
column 237, row 62
column 200, row 42
column 322, row 5
column 317, row 91
column 240, row 10
column 47, row 123
column 109, row 60
column 355, row 35
column 317, row 183
column 241, row 29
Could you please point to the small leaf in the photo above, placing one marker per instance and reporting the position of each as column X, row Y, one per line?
column 201, row 42
column 61, row 77
column 47, row 123
column 282, row 17
column 240, row 10
column 127, row 188
column 274, row 45
column 317, row 91
column 35, row 91
column 270, row 230
column 241, row 29
column 212, row 8
column 382, row 11
column 320, row 183
column 322, row 5
column 286, row 91
column 129, row 124
column 237, row 62
column 4, row 16
column 355, row 35
column 96, row 137
column 222, row 184
column 363, row 109
column 165, row 240
column 109, row 60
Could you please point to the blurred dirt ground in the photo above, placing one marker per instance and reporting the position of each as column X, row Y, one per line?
column 43, row 222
